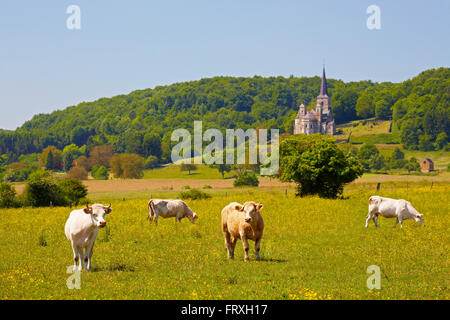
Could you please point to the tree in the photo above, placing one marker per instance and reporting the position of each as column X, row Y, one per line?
column 100, row 155
column 222, row 168
column 73, row 190
column 397, row 154
column 365, row 107
column 151, row 145
column 441, row 141
column 68, row 161
column 7, row 195
column 425, row 143
column 412, row 165
column 317, row 165
column 188, row 167
column 83, row 162
column 127, row 166
column 99, row 172
column 51, row 158
column 344, row 105
column 78, row 172
column 370, row 157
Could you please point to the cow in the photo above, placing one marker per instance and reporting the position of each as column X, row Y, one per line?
column 168, row 208
column 392, row 208
column 81, row 230
column 242, row 222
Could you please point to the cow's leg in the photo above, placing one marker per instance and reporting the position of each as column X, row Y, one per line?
column 227, row 237
column 80, row 258
column 400, row 220
column 246, row 247
column 156, row 218
column 76, row 258
column 375, row 220
column 369, row 216
column 257, row 247
column 88, row 256
column 396, row 221
column 232, row 246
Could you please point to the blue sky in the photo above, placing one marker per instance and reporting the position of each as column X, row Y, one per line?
column 128, row 45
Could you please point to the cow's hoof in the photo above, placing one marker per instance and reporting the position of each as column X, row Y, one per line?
column 258, row 259
column 246, row 259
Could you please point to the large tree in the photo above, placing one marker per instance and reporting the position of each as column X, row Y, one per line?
column 317, row 165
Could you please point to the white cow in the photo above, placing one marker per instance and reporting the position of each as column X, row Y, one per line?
column 392, row 208
column 168, row 208
column 81, row 230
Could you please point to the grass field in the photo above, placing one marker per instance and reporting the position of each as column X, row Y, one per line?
column 312, row 248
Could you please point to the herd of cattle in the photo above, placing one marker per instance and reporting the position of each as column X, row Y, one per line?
column 238, row 222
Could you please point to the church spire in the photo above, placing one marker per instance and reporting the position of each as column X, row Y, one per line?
column 323, row 86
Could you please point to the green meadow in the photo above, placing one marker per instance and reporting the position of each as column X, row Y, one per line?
column 312, row 249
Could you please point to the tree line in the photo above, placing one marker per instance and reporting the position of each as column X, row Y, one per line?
column 142, row 121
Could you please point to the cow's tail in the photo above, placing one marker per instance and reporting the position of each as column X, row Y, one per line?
column 151, row 210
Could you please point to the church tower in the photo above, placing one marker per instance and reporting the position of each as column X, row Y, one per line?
column 319, row 120
column 323, row 101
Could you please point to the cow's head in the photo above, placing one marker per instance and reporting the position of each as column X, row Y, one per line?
column 419, row 218
column 250, row 209
column 194, row 217
column 98, row 212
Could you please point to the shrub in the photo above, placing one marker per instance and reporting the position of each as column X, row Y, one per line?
column 78, row 172
column 7, row 195
column 151, row 162
column 207, row 186
column 72, row 189
column 99, row 172
column 247, row 178
column 186, row 187
column 41, row 189
column 127, row 166
column 194, row 194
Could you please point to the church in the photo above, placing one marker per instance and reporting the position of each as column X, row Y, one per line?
column 319, row 120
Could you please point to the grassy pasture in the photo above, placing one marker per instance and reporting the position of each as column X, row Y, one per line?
column 312, row 248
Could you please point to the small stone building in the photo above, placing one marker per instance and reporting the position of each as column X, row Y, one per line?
column 426, row 165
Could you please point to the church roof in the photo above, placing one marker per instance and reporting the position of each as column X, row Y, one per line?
column 309, row 116
column 323, row 85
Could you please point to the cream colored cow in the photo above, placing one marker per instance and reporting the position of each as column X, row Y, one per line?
column 242, row 222
column 168, row 208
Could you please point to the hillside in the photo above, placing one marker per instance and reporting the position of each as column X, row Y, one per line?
column 142, row 121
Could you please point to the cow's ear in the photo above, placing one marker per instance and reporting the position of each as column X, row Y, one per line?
column 108, row 209
column 239, row 207
column 87, row 210
column 259, row 206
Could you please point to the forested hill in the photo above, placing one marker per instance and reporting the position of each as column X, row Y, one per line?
column 133, row 122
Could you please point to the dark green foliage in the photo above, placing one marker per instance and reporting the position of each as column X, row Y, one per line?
column 7, row 196
column 370, row 157
column 99, row 172
column 317, row 165
column 247, row 178
column 441, row 141
column 194, row 194
column 151, row 162
column 72, row 189
column 343, row 104
column 141, row 122
column 412, row 165
column 42, row 189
